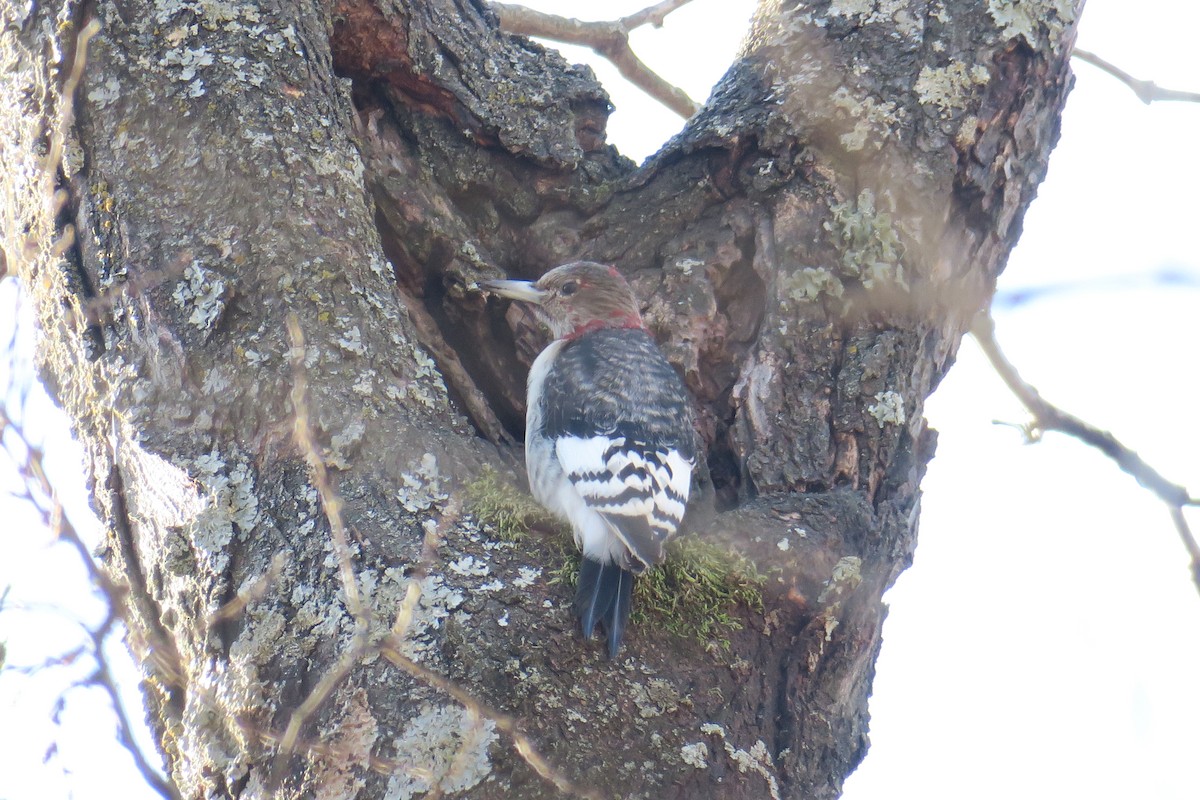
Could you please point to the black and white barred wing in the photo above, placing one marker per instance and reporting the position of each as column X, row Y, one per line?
column 639, row 490
column 616, row 417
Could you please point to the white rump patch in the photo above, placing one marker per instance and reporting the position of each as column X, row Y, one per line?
column 654, row 488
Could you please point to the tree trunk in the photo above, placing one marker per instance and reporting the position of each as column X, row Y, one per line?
column 809, row 251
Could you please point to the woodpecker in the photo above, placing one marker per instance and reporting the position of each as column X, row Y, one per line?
column 609, row 441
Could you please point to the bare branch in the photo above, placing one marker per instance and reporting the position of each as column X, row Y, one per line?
column 38, row 491
column 316, row 698
column 1048, row 417
column 67, row 116
column 332, row 504
column 1147, row 91
column 105, row 679
column 330, row 501
column 609, row 39
column 333, row 751
column 60, row 528
column 654, row 15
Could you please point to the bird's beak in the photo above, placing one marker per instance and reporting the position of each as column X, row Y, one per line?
column 517, row 290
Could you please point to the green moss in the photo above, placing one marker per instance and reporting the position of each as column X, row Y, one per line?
column 692, row 594
column 513, row 513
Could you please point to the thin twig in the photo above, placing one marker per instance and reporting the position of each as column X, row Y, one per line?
column 59, row 135
column 610, row 39
column 331, row 502
column 654, row 15
column 256, row 591
column 1147, row 91
column 1048, row 417
column 104, row 678
column 315, row 699
column 360, row 645
column 333, row 751
column 392, row 647
column 60, row 529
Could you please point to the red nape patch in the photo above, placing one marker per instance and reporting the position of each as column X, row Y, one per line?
column 616, row 273
column 618, row 320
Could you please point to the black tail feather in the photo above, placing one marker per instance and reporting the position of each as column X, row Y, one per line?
column 589, row 605
column 604, row 595
column 618, row 617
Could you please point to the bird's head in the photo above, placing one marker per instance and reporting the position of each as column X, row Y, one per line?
column 576, row 298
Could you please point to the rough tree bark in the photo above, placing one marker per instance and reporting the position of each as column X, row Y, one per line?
column 809, row 250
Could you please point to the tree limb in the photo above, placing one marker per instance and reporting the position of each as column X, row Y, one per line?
column 609, row 39
column 1048, row 417
column 1147, row 91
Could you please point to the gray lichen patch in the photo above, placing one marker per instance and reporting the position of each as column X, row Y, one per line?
column 203, row 734
column 423, row 485
column 888, row 408
column 190, row 58
column 351, row 340
column 757, row 760
column 874, row 121
column 343, row 445
column 427, row 388
column 655, row 697
column 105, row 93
column 268, row 639
column 809, row 283
column 851, row 8
column 949, row 88
column 1036, row 21
column 886, row 12
column 695, row 755
column 315, row 614
column 845, row 578
column 188, row 62
column 438, row 601
column 230, row 501
column 968, row 129
column 870, row 246
column 469, row 566
column 443, row 748
column 265, row 631
column 202, row 294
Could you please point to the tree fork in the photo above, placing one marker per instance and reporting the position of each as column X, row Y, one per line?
column 809, row 251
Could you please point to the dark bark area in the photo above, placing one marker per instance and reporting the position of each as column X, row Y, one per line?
column 809, row 251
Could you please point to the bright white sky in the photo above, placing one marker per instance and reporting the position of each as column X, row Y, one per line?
column 1046, row 643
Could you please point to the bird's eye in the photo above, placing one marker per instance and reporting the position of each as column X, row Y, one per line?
column 569, row 288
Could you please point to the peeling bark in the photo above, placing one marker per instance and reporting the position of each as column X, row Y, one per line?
column 809, row 250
